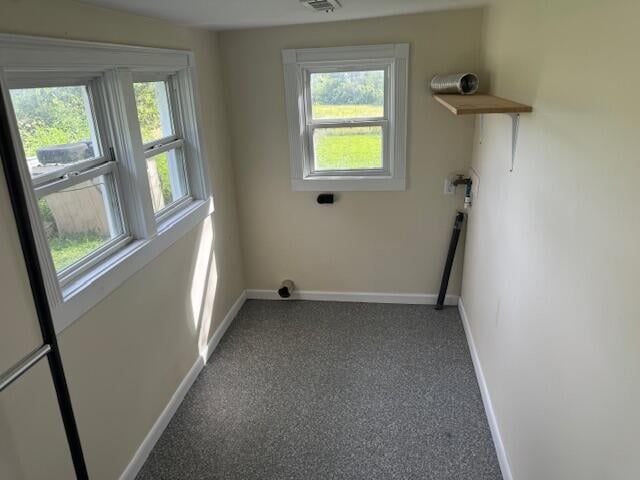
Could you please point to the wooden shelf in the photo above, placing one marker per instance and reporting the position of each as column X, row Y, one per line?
column 480, row 104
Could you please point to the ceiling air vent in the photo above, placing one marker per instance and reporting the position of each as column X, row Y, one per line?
column 322, row 5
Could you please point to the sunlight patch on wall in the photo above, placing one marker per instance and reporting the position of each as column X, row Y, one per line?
column 203, row 285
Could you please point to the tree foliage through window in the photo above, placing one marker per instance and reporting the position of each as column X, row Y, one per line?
column 50, row 116
column 352, row 88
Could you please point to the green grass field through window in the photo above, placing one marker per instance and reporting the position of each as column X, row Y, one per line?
column 348, row 148
column 68, row 249
column 320, row 111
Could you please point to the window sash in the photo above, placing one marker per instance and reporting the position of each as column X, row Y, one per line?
column 311, row 124
column 350, row 67
column 357, row 172
column 173, row 105
column 177, row 173
column 177, row 177
column 78, row 268
column 97, row 122
column 175, row 141
column 79, row 172
column 70, row 273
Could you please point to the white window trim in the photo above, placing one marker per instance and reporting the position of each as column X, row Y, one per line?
column 21, row 57
column 298, row 63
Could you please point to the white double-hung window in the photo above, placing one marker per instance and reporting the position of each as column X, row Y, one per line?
column 161, row 130
column 73, row 172
column 106, row 138
column 346, row 110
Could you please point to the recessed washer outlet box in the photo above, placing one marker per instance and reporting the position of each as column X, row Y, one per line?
column 321, row 5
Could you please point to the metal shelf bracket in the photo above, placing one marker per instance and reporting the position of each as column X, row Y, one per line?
column 515, row 130
column 515, row 127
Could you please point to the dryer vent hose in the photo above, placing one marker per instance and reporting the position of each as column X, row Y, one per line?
column 286, row 288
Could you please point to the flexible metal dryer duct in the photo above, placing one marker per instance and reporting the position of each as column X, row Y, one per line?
column 461, row 83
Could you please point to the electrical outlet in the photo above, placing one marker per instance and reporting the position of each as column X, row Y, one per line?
column 449, row 187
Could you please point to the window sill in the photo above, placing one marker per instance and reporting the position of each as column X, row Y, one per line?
column 84, row 293
column 348, row 184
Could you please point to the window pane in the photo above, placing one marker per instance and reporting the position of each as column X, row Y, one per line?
column 56, row 127
column 166, row 178
column 78, row 220
column 348, row 148
column 347, row 94
column 154, row 114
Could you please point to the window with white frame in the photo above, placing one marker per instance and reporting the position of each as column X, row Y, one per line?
column 107, row 143
column 160, row 129
column 346, row 110
column 74, row 176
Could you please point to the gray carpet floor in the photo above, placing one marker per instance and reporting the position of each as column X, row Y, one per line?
column 322, row 390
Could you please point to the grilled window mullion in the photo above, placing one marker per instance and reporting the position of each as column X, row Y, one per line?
column 73, row 178
column 159, row 148
column 347, row 124
column 88, row 164
column 159, row 142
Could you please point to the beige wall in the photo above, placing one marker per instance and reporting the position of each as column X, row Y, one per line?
column 367, row 241
column 552, row 260
column 124, row 358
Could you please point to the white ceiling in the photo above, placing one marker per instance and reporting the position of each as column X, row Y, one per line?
column 226, row 14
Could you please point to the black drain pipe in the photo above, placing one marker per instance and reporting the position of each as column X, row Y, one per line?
column 455, row 236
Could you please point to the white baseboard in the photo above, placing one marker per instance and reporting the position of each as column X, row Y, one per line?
column 141, row 455
column 161, row 423
column 408, row 298
column 486, row 397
